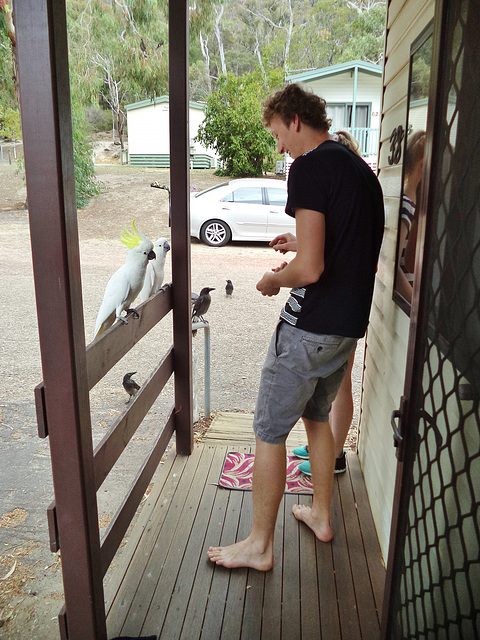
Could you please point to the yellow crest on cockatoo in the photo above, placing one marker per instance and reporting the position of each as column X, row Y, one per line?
column 129, row 239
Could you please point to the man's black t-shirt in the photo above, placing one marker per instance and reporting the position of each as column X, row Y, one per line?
column 336, row 182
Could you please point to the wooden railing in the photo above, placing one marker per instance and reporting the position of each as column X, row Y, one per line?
column 102, row 355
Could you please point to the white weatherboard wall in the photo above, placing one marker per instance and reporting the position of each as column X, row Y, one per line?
column 148, row 127
column 387, row 335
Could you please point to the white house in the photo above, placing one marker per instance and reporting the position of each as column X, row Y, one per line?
column 353, row 92
column 149, row 137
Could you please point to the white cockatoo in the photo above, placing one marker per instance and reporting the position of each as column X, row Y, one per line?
column 155, row 270
column 126, row 283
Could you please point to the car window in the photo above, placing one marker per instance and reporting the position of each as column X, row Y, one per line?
column 215, row 186
column 277, row 197
column 253, row 195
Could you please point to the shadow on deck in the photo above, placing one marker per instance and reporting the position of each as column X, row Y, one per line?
column 165, row 585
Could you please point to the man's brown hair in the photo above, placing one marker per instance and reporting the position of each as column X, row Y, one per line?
column 293, row 101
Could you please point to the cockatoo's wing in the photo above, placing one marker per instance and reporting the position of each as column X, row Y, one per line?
column 115, row 300
column 148, row 283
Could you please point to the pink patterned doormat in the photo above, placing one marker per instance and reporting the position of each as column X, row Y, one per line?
column 238, row 467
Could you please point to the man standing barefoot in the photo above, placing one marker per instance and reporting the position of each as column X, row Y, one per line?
column 338, row 207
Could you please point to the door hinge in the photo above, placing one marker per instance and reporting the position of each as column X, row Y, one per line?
column 42, row 424
column 53, row 528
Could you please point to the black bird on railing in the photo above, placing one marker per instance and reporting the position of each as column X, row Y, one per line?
column 130, row 386
column 202, row 303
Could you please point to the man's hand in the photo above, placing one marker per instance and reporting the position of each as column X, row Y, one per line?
column 284, row 242
column 280, row 268
column 267, row 286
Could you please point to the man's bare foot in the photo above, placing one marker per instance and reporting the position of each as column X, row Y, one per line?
column 242, row 554
column 322, row 530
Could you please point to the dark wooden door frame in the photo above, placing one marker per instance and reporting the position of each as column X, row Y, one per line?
column 406, row 435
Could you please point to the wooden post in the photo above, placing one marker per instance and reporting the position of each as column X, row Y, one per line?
column 180, row 212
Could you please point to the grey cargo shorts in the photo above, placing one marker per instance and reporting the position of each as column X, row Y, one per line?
column 300, row 378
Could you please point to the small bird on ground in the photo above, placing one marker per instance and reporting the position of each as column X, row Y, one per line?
column 202, row 303
column 130, row 386
column 126, row 283
column 229, row 289
column 155, row 270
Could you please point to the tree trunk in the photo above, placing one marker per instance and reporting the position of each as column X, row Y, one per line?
column 218, row 34
column 206, row 58
column 7, row 11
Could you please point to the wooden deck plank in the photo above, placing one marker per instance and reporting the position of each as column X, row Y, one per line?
column 158, row 548
column 365, row 601
column 252, row 611
column 347, row 605
column 200, row 600
column 193, row 556
column 309, row 584
column 229, row 504
column 272, row 612
column 327, row 591
column 178, row 547
column 291, row 624
column 232, row 621
column 160, row 504
column 371, row 545
column 172, row 590
column 236, row 429
column 160, row 479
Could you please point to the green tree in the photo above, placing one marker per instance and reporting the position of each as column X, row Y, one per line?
column 233, row 127
column 8, row 88
column 86, row 184
column 10, row 123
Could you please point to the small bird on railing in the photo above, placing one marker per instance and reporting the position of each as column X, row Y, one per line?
column 202, row 303
column 130, row 386
column 229, row 289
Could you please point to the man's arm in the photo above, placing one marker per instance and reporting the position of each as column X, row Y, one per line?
column 308, row 264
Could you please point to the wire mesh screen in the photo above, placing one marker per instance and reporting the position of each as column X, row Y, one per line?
column 438, row 593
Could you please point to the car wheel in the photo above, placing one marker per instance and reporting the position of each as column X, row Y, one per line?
column 215, row 233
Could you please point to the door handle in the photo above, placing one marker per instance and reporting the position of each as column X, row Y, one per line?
column 397, row 415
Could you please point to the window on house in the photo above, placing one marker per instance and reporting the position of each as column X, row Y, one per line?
column 341, row 115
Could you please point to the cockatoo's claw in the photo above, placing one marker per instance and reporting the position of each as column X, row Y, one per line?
column 132, row 312
column 122, row 319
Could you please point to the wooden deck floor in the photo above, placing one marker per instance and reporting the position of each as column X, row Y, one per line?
column 165, row 585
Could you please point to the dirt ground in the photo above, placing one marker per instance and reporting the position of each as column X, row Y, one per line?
column 30, row 575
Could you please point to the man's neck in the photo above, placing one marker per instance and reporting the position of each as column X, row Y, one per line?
column 313, row 139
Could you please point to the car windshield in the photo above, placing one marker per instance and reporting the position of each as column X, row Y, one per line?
column 216, row 186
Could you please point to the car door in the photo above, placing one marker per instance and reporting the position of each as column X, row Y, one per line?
column 245, row 213
column 278, row 221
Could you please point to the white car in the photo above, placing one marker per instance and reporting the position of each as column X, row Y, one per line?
column 245, row 209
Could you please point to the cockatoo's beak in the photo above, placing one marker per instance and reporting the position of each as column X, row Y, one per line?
column 151, row 255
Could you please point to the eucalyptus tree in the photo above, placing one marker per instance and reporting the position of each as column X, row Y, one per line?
column 119, row 52
column 233, row 127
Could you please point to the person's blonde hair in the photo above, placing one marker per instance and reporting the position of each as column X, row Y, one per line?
column 415, row 150
column 348, row 141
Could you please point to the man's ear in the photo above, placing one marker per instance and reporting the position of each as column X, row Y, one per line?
column 297, row 122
